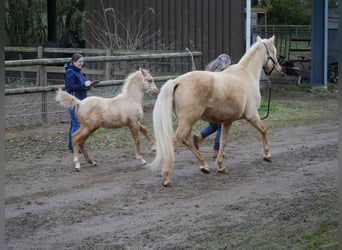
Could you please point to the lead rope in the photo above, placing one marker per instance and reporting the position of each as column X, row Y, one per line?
column 268, row 81
column 192, row 59
column 269, row 97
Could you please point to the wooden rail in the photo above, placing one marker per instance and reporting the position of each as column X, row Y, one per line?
column 52, row 88
column 42, row 66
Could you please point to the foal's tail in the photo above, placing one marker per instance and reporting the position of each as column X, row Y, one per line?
column 162, row 126
column 65, row 99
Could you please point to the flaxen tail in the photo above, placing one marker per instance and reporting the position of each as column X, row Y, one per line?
column 65, row 99
column 162, row 126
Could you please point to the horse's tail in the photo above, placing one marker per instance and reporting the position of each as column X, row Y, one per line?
column 162, row 126
column 65, row 99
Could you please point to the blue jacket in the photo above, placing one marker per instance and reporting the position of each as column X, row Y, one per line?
column 75, row 81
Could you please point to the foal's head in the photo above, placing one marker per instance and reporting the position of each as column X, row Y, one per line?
column 148, row 83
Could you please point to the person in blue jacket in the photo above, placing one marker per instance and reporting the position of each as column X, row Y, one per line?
column 76, row 85
column 219, row 64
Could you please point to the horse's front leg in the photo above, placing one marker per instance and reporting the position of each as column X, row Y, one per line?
column 135, row 128
column 223, row 143
column 258, row 124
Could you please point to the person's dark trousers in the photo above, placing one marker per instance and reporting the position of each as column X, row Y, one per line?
column 212, row 128
column 74, row 125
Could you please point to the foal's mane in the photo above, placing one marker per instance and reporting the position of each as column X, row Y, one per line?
column 128, row 80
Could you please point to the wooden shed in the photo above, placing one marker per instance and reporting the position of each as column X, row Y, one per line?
column 210, row 26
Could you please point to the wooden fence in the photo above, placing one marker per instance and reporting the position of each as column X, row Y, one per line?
column 36, row 104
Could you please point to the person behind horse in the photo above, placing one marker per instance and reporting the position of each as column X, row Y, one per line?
column 219, row 64
column 76, row 85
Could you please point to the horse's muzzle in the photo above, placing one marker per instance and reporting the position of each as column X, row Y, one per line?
column 152, row 91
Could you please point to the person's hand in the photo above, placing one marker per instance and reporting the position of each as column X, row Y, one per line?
column 88, row 83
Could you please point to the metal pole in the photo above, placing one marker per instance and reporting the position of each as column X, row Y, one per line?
column 248, row 24
column 52, row 20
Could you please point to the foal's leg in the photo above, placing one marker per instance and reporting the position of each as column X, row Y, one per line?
column 78, row 139
column 84, row 151
column 145, row 133
column 135, row 128
column 258, row 124
column 183, row 134
column 223, row 143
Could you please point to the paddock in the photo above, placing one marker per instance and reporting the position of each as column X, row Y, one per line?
column 120, row 204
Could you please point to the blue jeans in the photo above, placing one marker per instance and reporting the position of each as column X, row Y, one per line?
column 212, row 128
column 74, row 125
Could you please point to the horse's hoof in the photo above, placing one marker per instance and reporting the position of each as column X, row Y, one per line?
column 221, row 170
column 77, row 166
column 93, row 164
column 205, row 170
column 268, row 159
column 166, row 184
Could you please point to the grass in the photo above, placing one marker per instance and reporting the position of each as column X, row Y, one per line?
column 297, row 236
column 308, row 229
column 294, row 112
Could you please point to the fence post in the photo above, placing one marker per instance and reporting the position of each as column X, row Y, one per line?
column 108, row 65
column 22, row 73
column 42, row 81
column 39, row 67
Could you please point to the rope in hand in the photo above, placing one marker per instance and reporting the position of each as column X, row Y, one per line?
column 269, row 98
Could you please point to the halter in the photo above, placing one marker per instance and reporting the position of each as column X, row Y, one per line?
column 268, row 80
column 269, row 58
column 148, row 89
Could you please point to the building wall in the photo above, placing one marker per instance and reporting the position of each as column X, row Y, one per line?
column 210, row 26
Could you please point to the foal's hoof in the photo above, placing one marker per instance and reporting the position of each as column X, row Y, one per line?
column 268, row 159
column 77, row 169
column 93, row 163
column 221, row 170
column 205, row 170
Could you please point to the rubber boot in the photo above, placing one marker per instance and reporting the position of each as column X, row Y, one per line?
column 197, row 139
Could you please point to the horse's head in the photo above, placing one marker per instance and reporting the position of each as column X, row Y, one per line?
column 148, row 83
column 271, row 61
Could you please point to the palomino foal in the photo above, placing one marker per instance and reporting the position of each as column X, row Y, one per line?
column 123, row 110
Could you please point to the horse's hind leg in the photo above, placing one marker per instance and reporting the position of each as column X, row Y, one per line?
column 85, row 152
column 183, row 134
column 257, row 123
column 78, row 139
column 135, row 128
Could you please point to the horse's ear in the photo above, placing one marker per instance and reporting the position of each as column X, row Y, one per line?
column 258, row 39
column 272, row 38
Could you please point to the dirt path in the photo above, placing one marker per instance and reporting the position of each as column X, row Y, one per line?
column 122, row 205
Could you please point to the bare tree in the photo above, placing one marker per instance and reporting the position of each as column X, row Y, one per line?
column 109, row 29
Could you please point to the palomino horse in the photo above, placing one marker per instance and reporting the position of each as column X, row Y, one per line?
column 219, row 97
column 123, row 110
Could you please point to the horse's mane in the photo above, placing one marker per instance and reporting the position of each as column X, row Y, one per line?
column 250, row 53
